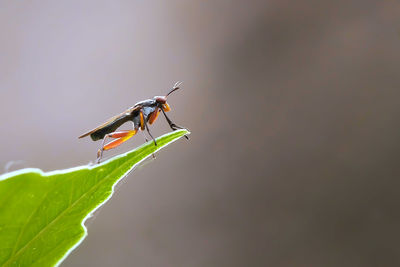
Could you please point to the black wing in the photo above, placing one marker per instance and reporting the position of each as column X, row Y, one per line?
column 112, row 124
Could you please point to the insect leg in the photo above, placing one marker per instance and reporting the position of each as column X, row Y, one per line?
column 121, row 136
column 141, row 120
column 173, row 125
column 153, row 116
column 146, row 140
column 143, row 124
column 148, row 130
column 145, row 137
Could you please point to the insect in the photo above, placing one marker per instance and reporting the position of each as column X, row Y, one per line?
column 141, row 114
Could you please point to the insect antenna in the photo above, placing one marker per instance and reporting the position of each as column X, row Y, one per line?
column 176, row 87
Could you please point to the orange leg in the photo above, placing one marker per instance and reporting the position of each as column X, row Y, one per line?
column 141, row 120
column 166, row 107
column 153, row 116
column 121, row 136
column 122, row 133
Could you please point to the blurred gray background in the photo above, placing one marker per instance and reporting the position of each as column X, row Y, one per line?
column 293, row 108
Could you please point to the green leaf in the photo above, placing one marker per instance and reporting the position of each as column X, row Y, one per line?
column 42, row 215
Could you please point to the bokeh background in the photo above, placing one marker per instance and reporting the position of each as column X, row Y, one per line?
column 293, row 108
